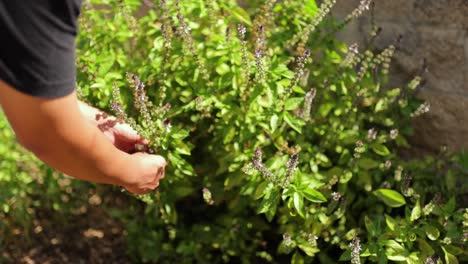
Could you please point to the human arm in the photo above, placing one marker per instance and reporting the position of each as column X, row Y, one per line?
column 119, row 133
column 58, row 133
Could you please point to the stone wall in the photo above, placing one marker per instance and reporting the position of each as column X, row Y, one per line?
column 436, row 30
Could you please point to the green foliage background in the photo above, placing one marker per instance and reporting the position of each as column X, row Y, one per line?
column 329, row 178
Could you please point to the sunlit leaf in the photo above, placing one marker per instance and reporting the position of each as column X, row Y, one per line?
column 298, row 200
column 416, row 212
column 390, row 197
column 380, row 149
column 313, row 195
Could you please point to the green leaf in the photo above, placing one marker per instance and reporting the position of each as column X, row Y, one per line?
column 380, row 105
column 297, row 258
column 390, row 197
column 395, row 251
column 274, row 122
column 391, row 222
column 288, row 192
column 241, row 15
column 180, row 134
column 298, row 200
column 106, row 65
column 425, row 247
column 393, row 92
column 260, row 190
column 313, row 195
column 345, row 256
column 269, row 202
column 449, row 258
column 367, row 163
column 416, row 212
column 454, row 250
column 183, row 149
column 310, row 8
column 222, row 69
column 413, row 258
column 6, row 208
column 432, row 232
column 381, row 150
column 230, row 134
column 293, row 122
column 323, row 160
column 370, row 226
column 308, row 249
column 450, row 206
column 293, row 103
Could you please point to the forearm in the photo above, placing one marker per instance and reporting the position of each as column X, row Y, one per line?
column 85, row 153
column 58, row 133
column 93, row 115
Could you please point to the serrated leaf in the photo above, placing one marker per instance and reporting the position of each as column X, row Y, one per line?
column 390, row 197
column 381, row 150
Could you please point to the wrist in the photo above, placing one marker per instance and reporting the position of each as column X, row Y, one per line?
column 124, row 174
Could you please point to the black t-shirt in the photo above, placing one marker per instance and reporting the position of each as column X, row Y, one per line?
column 37, row 45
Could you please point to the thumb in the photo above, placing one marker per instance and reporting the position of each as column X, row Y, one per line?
column 151, row 160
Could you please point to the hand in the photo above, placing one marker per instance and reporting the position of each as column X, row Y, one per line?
column 147, row 172
column 120, row 134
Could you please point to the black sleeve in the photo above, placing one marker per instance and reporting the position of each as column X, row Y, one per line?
column 37, row 45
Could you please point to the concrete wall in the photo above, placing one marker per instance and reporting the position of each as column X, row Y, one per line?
column 436, row 30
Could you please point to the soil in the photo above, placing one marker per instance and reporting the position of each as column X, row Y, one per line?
column 90, row 236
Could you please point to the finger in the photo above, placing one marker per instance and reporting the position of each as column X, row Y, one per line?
column 163, row 174
column 159, row 161
column 157, row 177
column 144, row 141
column 130, row 135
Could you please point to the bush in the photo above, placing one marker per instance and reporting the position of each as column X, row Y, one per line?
column 282, row 141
